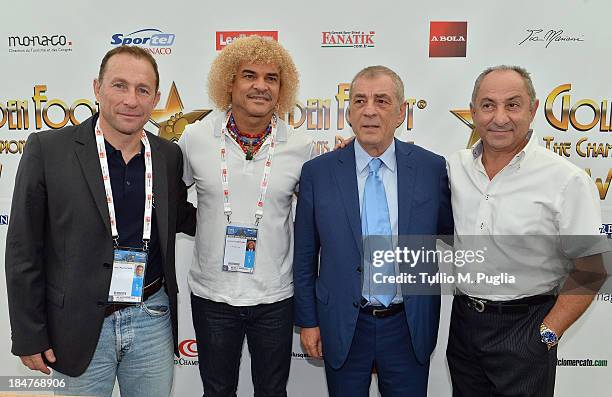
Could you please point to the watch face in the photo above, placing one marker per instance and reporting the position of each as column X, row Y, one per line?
column 549, row 337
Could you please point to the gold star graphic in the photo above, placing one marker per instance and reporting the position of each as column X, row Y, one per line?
column 466, row 117
column 170, row 120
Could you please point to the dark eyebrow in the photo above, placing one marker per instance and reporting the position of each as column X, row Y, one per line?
column 514, row 98
column 249, row 71
column 383, row 96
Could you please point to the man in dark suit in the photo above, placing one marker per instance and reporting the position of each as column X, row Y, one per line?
column 365, row 195
column 81, row 194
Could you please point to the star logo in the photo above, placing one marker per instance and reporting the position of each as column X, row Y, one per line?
column 466, row 118
column 171, row 120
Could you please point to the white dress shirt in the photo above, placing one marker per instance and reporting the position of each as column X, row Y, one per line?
column 526, row 217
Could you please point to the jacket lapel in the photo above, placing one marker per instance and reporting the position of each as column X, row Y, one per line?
column 160, row 193
column 346, row 180
column 87, row 154
column 406, row 171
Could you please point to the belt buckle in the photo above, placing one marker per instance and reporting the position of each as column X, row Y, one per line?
column 376, row 311
column 477, row 304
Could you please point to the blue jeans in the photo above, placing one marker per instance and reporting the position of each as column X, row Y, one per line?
column 220, row 331
column 136, row 347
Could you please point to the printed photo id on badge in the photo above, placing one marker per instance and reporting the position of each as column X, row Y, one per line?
column 240, row 249
column 129, row 266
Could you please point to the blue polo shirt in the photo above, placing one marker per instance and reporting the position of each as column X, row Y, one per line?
column 128, row 183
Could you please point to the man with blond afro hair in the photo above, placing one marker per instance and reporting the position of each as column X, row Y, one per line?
column 245, row 162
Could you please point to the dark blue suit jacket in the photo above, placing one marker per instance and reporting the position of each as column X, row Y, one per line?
column 328, row 224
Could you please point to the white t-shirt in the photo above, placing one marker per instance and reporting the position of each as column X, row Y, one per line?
column 272, row 278
column 530, row 217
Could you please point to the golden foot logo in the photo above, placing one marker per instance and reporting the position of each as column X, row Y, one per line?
column 171, row 120
column 466, row 117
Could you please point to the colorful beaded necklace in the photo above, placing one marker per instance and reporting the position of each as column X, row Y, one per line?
column 249, row 144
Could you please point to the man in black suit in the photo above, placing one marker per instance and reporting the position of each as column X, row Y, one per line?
column 84, row 196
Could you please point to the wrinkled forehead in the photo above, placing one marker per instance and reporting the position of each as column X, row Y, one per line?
column 373, row 86
column 130, row 68
column 502, row 85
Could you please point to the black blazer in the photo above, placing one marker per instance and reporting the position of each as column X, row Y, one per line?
column 59, row 248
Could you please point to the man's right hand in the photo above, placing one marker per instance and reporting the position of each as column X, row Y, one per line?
column 340, row 142
column 35, row 362
column 311, row 340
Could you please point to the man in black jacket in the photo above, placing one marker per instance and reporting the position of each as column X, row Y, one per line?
column 91, row 203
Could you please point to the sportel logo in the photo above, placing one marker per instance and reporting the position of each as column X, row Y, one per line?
column 227, row 37
column 447, row 39
column 153, row 40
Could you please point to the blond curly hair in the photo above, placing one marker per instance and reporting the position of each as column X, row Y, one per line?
column 252, row 49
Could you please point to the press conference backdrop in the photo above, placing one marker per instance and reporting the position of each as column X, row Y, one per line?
column 50, row 53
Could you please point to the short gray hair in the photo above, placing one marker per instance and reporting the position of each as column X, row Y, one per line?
column 521, row 71
column 377, row 70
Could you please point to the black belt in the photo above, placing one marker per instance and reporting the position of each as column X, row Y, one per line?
column 512, row 306
column 381, row 311
column 148, row 291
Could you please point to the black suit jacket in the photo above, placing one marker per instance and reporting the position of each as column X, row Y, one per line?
column 59, row 248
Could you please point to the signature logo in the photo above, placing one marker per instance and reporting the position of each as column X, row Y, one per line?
column 549, row 37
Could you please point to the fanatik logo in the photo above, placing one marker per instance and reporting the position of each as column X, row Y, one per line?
column 447, row 39
column 188, row 349
column 352, row 39
column 153, row 40
column 227, row 37
column 39, row 43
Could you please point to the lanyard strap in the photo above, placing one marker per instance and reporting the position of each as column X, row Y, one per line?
column 148, row 210
column 263, row 186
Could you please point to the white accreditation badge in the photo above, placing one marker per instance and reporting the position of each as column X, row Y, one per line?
column 240, row 249
column 129, row 266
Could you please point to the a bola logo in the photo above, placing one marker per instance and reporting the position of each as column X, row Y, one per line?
column 188, row 348
column 447, row 39
column 171, row 120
